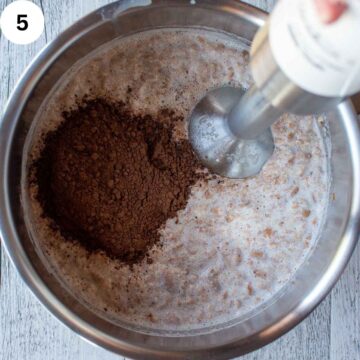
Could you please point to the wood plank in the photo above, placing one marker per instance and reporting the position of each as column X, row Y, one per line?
column 266, row 5
column 345, row 313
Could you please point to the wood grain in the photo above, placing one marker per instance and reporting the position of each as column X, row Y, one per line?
column 29, row 332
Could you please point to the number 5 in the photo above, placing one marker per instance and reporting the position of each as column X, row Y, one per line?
column 22, row 24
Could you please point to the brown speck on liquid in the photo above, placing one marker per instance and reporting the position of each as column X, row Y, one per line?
column 151, row 318
column 257, row 254
column 291, row 160
column 260, row 273
column 229, row 218
column 268, row 232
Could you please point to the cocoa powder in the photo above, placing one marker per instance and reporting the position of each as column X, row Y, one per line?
column 110, row 179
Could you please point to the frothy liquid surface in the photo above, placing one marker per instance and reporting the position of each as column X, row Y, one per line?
column 238, row 241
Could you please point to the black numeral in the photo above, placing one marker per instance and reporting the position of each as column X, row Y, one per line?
column 22, row 23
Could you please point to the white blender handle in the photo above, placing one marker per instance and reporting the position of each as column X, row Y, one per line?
column 321, row 58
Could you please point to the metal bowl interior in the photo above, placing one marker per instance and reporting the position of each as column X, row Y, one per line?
column 312, row 281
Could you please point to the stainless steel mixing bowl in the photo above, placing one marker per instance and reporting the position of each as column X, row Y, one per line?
column 312, row 281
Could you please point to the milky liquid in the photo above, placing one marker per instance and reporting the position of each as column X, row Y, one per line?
column 237, row 242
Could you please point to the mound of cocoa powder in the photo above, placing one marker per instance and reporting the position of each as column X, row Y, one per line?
column 110, row 179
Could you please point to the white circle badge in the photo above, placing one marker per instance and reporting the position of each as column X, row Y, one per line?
column 22, row 22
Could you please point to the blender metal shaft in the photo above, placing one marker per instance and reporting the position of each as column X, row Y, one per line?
column 252, row 115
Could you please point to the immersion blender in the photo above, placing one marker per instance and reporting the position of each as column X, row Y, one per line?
column 303, row 61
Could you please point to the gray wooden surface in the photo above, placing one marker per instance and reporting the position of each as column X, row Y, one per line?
column 29, row 332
